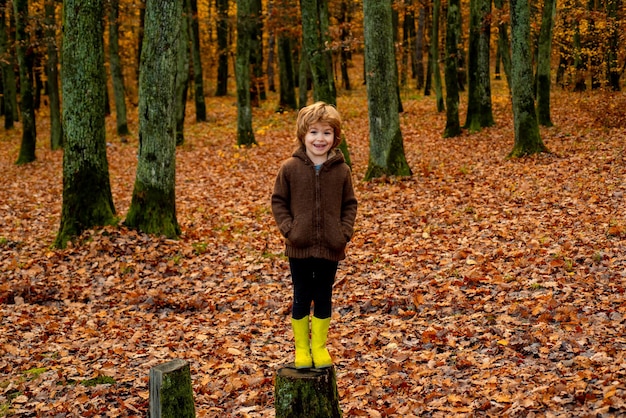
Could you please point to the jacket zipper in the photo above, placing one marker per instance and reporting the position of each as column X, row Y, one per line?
column 318, row 204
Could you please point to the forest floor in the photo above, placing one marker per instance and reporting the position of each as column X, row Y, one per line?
column 480, row 286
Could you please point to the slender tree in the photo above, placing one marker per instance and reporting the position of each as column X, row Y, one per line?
column 8, row 75
column 257, row 83
column 453, row 35
column 504, row 49
column 52, row 70
column 27, row 104
column 198, row 80
column 87, row 199
column 117, row 75
column 419, row 47
column 345, row 35
column 386, row 145
column 479, row 110
column 543, row 63
column 182, row 81
column 222, row 47
column 527, row 138
column 245, row 32
column 434, row 51
column 613, row 7
column 153, row 206
column 287, row 76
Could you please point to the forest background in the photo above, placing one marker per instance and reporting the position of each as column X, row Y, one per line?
column 480, row 285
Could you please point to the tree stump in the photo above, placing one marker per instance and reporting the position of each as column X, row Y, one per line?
column 306, row 393
column 171, row 394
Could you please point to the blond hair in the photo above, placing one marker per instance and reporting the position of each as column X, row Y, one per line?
column 318, row 112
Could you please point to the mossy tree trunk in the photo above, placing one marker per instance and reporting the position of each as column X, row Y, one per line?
column 245, row 23
column 315, row 39
column 386, row 157
column 117, row 76
column 543, row 63
column 25, row 60
column 9, row 96
column 434, row 50
column 222, row 47
column 527, row 138
column 198, row 80
column 171, row 391
column 309, row 393
column 153, row 206
column 453, row 36
column 87, row 199
column 479, row 110
column 52, row 69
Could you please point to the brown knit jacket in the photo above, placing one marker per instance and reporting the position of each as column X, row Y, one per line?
column 315, row 210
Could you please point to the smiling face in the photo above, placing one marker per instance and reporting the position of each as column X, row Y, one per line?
column 318, row 140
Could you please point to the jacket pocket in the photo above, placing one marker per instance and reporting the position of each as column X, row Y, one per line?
column 335, row 237
column 300, row 234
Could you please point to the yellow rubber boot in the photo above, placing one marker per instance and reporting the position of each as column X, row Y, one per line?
column 301, row 337
column 319, row 333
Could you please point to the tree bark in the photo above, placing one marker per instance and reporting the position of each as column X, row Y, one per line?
column 182, row 80
column 434, row 48
column 245, row 134
column 171, row 392
column 504, row 43
column 386, row 146
column 117, row 75
column 419, row 48
column 315, row 41
column 527, row 138
column 8, row 75
column 198, row 80
column 27, row 104
column 287, row 97
column 307, row 393
column 543, row 63
column 153, row 206
column 479, row 111
column 222, row 47
column 87, row 199
column 453, row 36
column 52, row 70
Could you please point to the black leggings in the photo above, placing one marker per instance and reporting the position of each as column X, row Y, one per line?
column 313, row 280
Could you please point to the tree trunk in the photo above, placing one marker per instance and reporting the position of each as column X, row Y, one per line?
column 286, row 73
column 87, row 199
column 304, row 75
column 256, row 53
column 316, row 40
column 479, row 111
column 419, row 48
column 527, row 138
column 386, row 146
column 198, row 80
column 434, row 48
column 271, row 52
column 612, row 66
column 8, row 75
column 27, row 104
column 222, row 47
column 182, row 80
column 309, row 393
column 117, row 75
column 52, row 70
column 503, row 43
column 245, row 134
column 543, row 63
column 171, row 392
column 345, row 19
column 153, row 206
column 453, row 36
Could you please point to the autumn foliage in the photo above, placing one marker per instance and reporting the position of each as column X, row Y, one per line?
column 480, row 286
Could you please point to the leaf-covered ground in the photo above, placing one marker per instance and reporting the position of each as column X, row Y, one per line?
column 479, row 287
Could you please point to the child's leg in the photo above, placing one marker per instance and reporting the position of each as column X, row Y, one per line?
column 302, row 297
column 324, row 277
